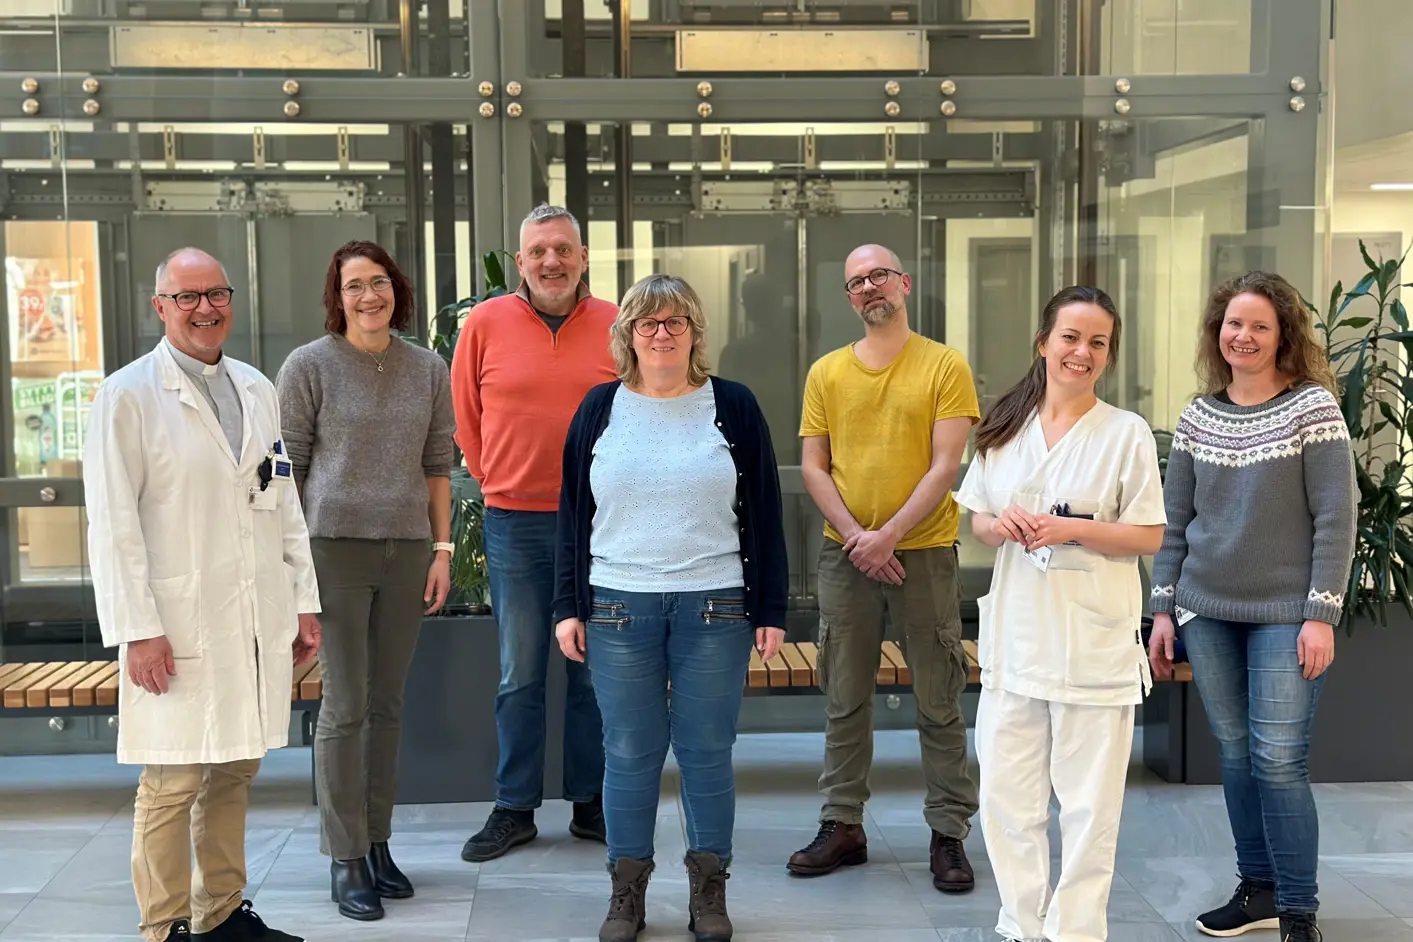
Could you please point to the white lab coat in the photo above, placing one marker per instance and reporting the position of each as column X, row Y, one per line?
column 1069, row 634
column 1062, row 668
column 177, row 548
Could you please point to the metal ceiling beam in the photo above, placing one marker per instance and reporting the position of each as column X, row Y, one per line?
column 276, row 100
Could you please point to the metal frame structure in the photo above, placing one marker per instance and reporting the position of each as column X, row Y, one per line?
column 508, row 94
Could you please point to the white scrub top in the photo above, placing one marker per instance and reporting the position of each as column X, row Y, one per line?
column 1071, row 633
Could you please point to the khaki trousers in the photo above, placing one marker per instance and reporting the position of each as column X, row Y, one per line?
column 181, row 809
column 926, row 611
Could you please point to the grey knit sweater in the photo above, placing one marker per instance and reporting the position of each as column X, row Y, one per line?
column 364, row 442
column 1261, row 505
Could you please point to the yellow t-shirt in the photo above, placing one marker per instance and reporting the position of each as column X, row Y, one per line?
column 879, row 424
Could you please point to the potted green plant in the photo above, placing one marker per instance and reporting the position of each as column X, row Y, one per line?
column 469, row 577
column 1370, row 348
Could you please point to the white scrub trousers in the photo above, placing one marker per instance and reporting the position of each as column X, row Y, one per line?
column 1027, row 747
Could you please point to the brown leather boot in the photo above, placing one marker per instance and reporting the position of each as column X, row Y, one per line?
column 836, row 845
column 706, row 907
column 951, row 871
column 627, row 909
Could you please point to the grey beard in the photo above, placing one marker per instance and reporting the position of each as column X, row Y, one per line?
column 879, row 315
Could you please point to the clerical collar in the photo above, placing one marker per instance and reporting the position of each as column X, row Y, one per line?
column 192, row 365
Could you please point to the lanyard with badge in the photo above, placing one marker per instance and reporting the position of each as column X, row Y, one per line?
column 1040, row 556
column 274, row 467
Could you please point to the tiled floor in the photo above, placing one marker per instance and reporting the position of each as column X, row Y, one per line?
column 65, row 832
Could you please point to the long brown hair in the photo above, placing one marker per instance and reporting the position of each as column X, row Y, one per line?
column 1010, row 413
column 1299, row 355
column 404, row 298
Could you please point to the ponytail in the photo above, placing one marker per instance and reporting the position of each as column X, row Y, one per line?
column 1010, row 413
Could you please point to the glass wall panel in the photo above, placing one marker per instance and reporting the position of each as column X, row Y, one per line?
column 1176, row 37
column 990, row 211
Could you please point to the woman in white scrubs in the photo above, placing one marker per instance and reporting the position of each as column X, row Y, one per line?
column 1066, row 487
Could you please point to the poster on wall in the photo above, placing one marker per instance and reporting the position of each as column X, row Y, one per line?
column 50, row 416
column 48, row 320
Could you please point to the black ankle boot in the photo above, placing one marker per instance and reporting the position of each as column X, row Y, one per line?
column 388, row 880
column 353, row 890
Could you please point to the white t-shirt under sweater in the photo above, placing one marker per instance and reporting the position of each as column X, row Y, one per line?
column 664, row 487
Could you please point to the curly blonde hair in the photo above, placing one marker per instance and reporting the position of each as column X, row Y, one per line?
column 1299, row 356
column 651, row 296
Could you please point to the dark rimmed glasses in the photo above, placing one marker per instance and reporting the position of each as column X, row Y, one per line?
column 191, row 300
column 647, row 326
column 877, row 278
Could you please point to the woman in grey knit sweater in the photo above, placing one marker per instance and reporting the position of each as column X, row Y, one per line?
column 368, row 422
column 1261, row 504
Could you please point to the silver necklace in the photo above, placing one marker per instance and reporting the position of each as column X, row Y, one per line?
column 375, row 357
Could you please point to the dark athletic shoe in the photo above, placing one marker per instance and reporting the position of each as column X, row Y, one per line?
column 504, row 830
column 1252, row 906
column 1300, row 927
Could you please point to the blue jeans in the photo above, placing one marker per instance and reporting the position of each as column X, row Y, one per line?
column 636, row 642
column 1260, row 708
column 520, row 556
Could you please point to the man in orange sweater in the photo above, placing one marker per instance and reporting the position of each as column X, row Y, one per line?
column 522, row 366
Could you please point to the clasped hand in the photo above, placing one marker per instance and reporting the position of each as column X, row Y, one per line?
column 1033, row 531
column 871, row 552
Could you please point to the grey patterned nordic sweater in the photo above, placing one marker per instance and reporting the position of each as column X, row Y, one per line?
column 1261, row 504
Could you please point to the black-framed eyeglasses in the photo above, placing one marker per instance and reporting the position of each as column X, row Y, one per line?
column 355, row 288
column 191, row 300
column 676, row 325
column 877, row 277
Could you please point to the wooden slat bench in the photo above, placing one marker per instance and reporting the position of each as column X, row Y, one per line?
column 90, row 688
column 795, row 669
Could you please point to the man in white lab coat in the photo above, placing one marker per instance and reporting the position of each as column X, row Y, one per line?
column 204, row 580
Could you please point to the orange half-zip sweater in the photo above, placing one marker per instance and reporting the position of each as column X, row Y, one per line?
column 516, row 385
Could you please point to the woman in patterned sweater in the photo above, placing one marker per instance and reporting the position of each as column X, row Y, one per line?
column 1261, row 503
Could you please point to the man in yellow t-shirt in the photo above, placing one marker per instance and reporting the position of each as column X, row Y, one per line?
column 885, row 422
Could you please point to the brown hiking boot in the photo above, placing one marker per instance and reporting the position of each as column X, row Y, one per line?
column 706, row 907
column 836, row 845
column 627, row 909
column 951, row 871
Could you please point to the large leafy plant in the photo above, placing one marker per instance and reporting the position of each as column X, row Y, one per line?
column 1370, row 346
column 469, row 577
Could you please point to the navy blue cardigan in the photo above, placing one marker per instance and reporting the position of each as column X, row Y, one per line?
column 742, row 424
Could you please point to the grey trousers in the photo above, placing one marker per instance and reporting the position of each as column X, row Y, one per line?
column 372, row 593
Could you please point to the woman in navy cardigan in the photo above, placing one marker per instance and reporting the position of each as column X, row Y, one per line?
column 670, row 566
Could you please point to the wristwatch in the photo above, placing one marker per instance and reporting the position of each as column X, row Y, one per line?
column 449, row 547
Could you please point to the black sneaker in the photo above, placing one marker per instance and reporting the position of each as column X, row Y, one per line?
column 588, row 821
column 504, row 829
column 180, row 931
column 1299, row 927
column 244, row 926
column 1252, row 906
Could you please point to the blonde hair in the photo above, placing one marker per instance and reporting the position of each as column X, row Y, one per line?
column 648, row 297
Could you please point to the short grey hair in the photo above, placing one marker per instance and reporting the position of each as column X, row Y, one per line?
column 544, row 213
column 173, row 256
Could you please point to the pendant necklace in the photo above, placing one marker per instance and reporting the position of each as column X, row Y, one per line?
column 375, row 357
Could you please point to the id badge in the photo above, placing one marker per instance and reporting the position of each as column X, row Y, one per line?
column 1183, row 615
column 1040, row 557
column 267, row 499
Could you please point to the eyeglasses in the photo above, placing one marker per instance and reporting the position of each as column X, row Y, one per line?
column 647, row 326
column 355, row 288
column 876, row 277
column 191, row 300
